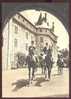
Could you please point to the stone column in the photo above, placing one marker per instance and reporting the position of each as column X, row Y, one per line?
column 10, row 45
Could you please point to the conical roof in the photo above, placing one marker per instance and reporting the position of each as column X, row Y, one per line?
column 42, row 21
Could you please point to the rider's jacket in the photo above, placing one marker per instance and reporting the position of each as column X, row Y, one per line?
column 45, row 50
column 31, row 50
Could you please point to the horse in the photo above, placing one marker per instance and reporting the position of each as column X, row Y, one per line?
column 31, row 60
column 42, row 62
column 60, row 64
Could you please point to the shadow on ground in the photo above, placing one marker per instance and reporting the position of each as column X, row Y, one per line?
column 56, row 74
column 19, row 84
column 25, row 83
column 39, row 81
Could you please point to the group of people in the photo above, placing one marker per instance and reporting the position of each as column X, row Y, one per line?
column 45, row 60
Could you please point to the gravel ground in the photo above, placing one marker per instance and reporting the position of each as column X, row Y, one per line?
column 15, row 84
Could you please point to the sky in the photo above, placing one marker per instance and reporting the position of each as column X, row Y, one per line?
column 60, row 31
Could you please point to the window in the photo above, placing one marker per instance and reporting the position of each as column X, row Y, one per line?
column 26, row 46
column 26, row 35
column 16, row 29
column 15, row 42
column 41, row 39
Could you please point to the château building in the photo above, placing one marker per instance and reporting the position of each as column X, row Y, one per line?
column 18, row 34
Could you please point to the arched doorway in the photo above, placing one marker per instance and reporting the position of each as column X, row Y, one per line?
column 57, row 9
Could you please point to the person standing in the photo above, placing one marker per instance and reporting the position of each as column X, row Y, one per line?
column 60, row 64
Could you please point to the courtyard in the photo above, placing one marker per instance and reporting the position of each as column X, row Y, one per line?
column 15, row 84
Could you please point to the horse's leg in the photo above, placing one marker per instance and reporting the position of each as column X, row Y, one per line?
column 62, row 70
column 43, row 67
column 33, row 70
column 29, row 74
column 49, row 73
column 58, row 70
column 46, row 73
column 42, row 70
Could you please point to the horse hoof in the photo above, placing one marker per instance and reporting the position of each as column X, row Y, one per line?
column 33, row 79
column 30, row 82
column 48, row 79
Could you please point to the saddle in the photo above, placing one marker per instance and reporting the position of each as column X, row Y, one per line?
column 32, row 58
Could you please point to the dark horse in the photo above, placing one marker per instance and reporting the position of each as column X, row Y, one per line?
column 48, row 64
column 31, row 60
column 42, row 63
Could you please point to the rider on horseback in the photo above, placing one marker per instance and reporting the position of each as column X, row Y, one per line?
column 48, row 61
column 31, row 60
column 45, row 49
column 31, row 48
column 32, row 51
